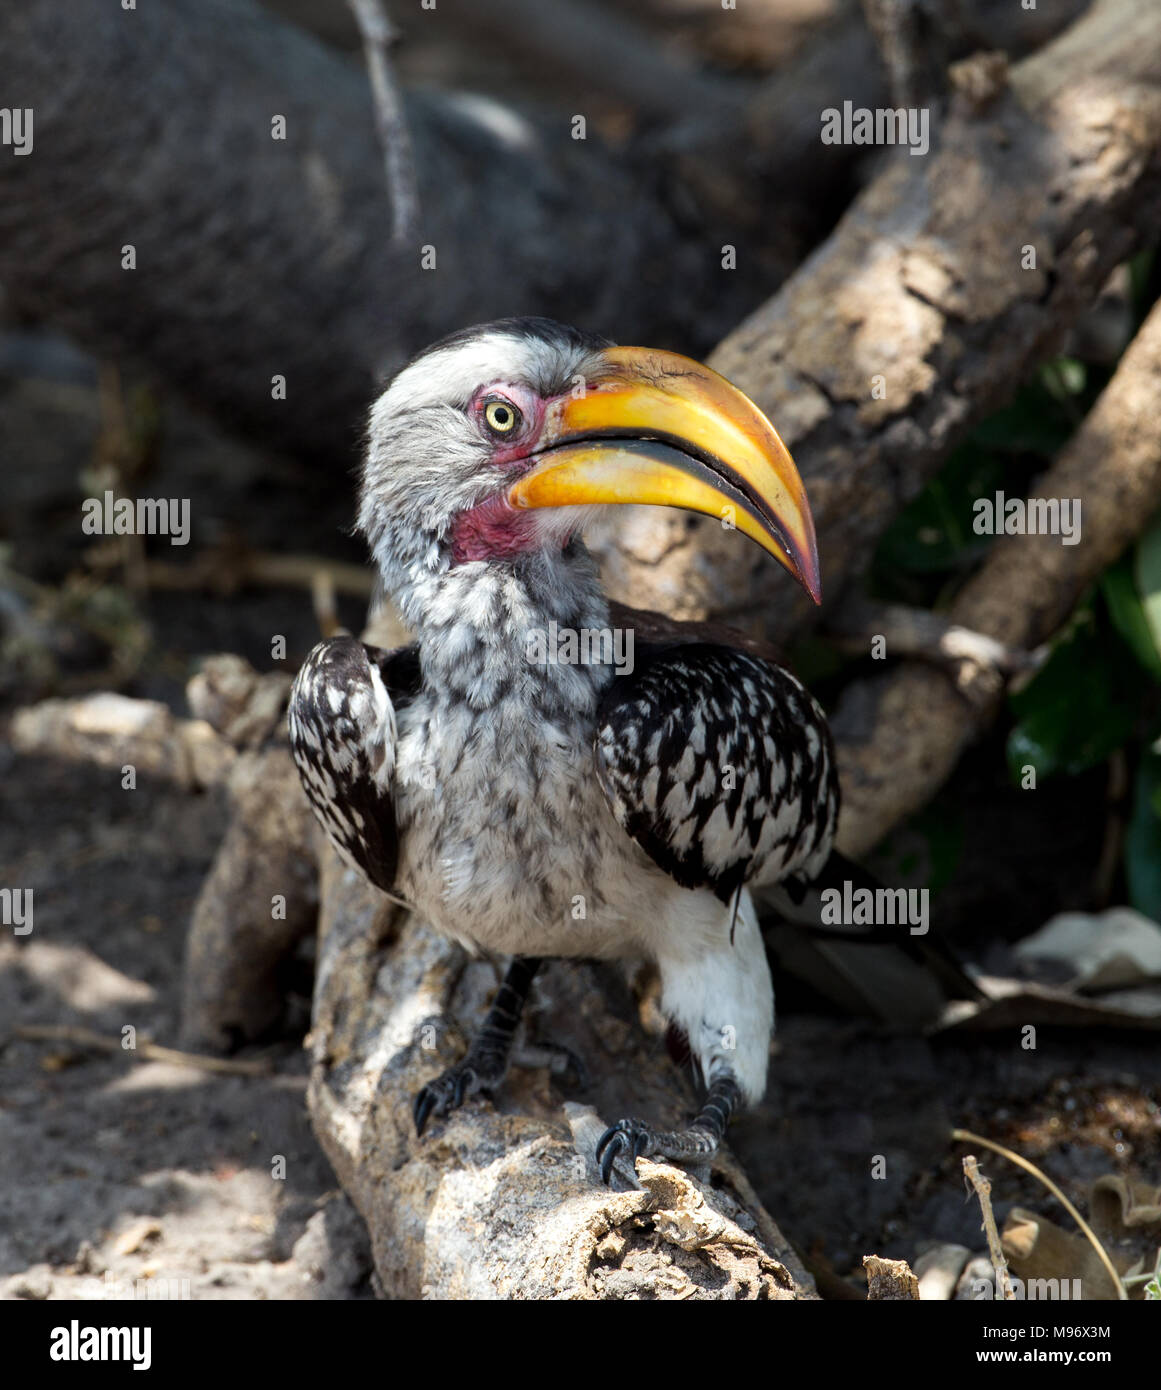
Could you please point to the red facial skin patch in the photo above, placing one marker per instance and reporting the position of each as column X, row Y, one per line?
column 494, row 529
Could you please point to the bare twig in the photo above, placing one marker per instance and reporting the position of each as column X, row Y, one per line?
column 145, row 1051
column 965, row 1136
column 980, row 664
column 225, row 569
column 378, row 35
column 983, row 1188
column 322, row 594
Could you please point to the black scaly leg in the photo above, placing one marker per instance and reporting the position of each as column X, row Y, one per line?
column 487, row 1059
column 699, row 1142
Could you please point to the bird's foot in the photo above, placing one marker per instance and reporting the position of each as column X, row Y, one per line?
column 634, row 1139
column 479, row 1071
column 487, row 1061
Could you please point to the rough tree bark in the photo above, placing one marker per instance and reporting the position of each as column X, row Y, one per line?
column 922, row 285
column 901, row 735
column 502, row 1200
column 258, row 256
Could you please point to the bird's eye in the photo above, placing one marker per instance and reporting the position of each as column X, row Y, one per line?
column 501, row 417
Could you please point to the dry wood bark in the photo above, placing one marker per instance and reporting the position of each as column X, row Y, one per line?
column 922, row 284
column 890, row 1280
column 899, row 737
column 503, row 1199
column 258, row 257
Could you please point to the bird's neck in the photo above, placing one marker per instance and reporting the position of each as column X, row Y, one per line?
column 493, row 631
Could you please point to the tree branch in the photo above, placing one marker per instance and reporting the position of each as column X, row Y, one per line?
column 900, row 736
column 378, row 35
column 258, row 256
column 923, row 311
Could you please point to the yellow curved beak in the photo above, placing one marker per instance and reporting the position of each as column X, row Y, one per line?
column 658, row 428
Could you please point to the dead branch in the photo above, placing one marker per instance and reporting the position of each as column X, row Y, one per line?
column 979, row 665
column 983, row 1190
column 918, row 316
column 378, row 35
column 890, row 1280
column 275, row 261
column 226, row 569
column 497, row 1201
column 912, row 39
column 900, row 737
column 965, row 1136
column 115, row 732
column 144, row 1050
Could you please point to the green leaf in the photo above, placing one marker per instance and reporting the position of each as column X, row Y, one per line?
column 1147, row 572
column 934, row 532
column 1081, row 706
column 927, row 846
column 1034, row 423
column 1143, row 839
column 1064, row 377
column 1127, row 610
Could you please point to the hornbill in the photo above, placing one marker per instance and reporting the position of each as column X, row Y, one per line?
column 492, row 786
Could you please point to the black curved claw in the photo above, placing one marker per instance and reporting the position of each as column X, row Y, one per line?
column 609, row 1147
column 447, row 1092
column 632, row 1136
column 461, row 1086
column 425, row 1102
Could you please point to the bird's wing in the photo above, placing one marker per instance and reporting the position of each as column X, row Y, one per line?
column 717, row 762
column 342, row 734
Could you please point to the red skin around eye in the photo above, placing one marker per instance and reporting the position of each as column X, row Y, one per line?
column 508, row 449
column 495, row 530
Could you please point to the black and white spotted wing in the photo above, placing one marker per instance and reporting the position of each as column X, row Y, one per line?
column 342, row 734
column 720, row 765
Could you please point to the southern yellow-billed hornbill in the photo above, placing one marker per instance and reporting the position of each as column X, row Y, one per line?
column 494, row 789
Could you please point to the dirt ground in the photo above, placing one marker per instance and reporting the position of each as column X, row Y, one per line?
column 113, row 1169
